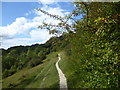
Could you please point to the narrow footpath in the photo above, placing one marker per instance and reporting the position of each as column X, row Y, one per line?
column 62, row 78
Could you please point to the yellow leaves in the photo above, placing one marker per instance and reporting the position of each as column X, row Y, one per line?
column 98, row 32
column 98, row 19
column 107, row 20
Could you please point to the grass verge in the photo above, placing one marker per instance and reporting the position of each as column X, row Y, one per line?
column 68, row 68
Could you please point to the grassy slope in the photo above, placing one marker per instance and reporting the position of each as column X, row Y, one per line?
column 42, row 76
column 68, row 68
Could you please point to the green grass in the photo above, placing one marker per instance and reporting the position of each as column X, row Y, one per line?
column 42, row 76
column 68, row 68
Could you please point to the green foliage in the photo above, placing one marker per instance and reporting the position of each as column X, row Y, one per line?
column 92, row 50
column 17, row 58
column 95, row 48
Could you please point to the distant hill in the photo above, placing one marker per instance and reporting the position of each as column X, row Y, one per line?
column 19, row 57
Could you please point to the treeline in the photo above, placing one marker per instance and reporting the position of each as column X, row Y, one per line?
column 19, row 57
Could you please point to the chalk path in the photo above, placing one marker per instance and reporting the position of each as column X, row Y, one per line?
column 62, row 78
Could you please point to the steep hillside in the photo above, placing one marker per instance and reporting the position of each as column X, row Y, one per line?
column 90, row 57
column 20, row 57
column 41, row 76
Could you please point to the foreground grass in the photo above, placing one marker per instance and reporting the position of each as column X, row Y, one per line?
column 42, row 76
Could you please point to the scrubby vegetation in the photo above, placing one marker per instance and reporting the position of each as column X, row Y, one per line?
column 91, row 57
column 95, row 47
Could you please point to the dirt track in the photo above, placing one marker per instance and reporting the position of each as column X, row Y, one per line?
column 63, row 81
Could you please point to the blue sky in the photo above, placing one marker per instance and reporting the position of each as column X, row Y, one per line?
column 20, row 19
column 12, row 10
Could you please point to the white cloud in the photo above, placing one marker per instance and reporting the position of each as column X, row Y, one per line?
column 37, row 36
column 11, row 30
column 28, row 27
column 29, row 13
column 47, row 1
column 40, row 35
column 14, row 42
